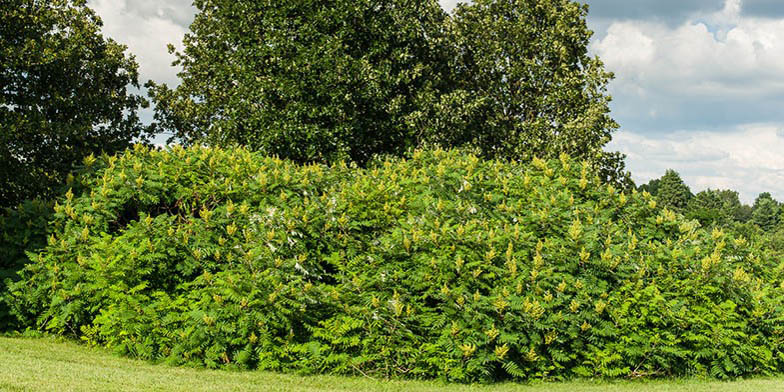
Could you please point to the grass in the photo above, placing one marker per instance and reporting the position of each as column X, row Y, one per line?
column 50, row 365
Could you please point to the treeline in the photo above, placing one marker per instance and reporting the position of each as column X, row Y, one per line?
column 320, row 81
column 716, row 207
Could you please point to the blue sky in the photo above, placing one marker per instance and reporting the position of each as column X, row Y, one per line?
column 699, row 84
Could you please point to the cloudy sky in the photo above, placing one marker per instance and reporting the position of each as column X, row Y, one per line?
column 699, row 84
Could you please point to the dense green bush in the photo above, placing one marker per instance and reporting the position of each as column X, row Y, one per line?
column 22, row 229
column 439, row 266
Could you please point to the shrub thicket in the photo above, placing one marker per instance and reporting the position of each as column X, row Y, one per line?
column 442, row 265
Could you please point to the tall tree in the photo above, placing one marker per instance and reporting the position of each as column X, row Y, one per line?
column 63, row 94
column 526, row 85
column 309, row 80
column 673, row 193
column 318, row 80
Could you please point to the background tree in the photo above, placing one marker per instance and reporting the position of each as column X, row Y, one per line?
column 651, row 187
column 707, row 208
column 765, row 212
column 321, row 80
column 673, row 193
column 309, row 80
column 743, row 214
column 715, row 207
column 63, row 94
column 525, row 84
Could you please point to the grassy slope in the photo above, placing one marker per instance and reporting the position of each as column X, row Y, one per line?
column 47, row 365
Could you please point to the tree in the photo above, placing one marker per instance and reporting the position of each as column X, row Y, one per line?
column 765, row 212
column 323, row 80
column 63, row 95
column 715, row 207
column 743, row 214
column 651, row 187
column 527, row 85
column 309, row 80
column 673, row 193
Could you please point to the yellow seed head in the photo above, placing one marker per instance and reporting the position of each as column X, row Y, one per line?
column 550, row 337
column 468, row 349
column 500, row 351
column 492, row 333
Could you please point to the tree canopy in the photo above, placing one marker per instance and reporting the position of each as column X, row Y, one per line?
column 63, row 94
column 323, row 80
column 765, row 212
column 715, row 207
column 673, row 192
column 305, row 79
column 526, row 84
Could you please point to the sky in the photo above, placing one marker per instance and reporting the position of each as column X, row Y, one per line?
column 698, row 88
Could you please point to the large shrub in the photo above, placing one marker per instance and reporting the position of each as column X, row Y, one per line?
column 441, row 265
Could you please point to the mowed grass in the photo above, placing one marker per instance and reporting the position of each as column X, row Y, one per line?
column 49, row 365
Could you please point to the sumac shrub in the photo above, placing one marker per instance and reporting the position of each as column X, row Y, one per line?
column 437, row 266
column 22, row 229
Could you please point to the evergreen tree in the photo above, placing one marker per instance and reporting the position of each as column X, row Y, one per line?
column 765, row 212
column 673, row 193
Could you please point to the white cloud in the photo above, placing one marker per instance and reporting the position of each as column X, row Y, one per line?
column 719, row 73
column 450, row 4
column 147, row 27
column 747, row 159
column 710, row 55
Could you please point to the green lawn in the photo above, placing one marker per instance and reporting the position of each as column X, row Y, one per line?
column 47, row 365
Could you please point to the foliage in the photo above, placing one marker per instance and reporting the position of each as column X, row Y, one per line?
column 64, row 95
column 442, row 265
column 765, row 212
column 348, row 79
column 716, row 208
column 527, row 84
column 651, row 187
column 672, row 192
column 306, row 80
column 22, row 229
